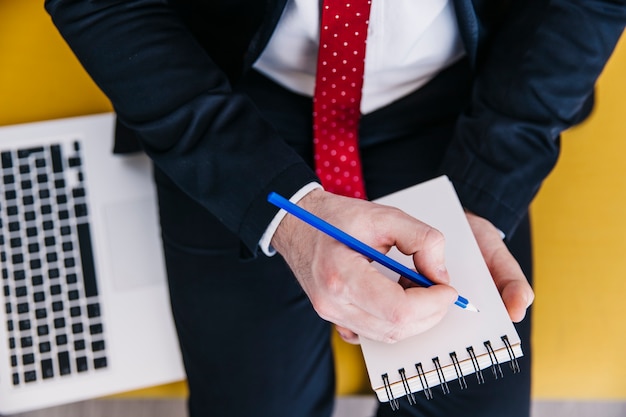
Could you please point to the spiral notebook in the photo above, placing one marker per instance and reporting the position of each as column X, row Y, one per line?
column 463, row 343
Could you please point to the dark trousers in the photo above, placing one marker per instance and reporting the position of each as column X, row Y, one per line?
column 252, row 344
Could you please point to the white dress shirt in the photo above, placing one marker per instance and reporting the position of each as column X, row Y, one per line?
column 408, row 43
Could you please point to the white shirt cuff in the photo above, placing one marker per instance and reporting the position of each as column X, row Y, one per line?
column 266, row 239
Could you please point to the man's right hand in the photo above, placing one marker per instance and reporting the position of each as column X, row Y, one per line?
column 345, row 288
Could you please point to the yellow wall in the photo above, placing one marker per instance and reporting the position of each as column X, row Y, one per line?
column 579, row 217
column 579, row 221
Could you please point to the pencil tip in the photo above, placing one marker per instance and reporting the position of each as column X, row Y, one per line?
column 471, row 307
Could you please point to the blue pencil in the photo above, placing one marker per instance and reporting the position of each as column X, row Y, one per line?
column 358, row 246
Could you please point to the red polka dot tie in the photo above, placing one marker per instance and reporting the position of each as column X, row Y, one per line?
column 337, row 97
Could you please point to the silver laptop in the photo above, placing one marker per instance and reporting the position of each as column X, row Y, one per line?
column 85, row 309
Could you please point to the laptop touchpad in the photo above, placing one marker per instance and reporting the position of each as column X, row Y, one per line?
column 134, row 244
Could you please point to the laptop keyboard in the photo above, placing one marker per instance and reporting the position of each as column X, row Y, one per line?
column 50, row 289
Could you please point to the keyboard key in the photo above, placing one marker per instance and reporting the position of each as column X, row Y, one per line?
column 93, row 310
column 61, row 339
column 79, row 345
column 45, row 347
column 37, row 280
column 57, row 306
column 26, row 342
column 47, row 370
column 77, row 328
column 80, row 210
column 25, row 153
column 7, row 160
column 97, row 346
column 95, row 329
column 57, row 159
column 28, row 359
column 74, row 162
column 86, row 256
column 30, row 376
column 99, row 363
column 75, row 311
column 71, row 278
column 59, row 322
column 43, row 330
column 64, row 363
column 81, row 364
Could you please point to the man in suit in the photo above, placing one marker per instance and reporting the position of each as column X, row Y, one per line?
column 208, row 90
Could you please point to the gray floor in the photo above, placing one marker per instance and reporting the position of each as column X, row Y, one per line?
column 346, row 407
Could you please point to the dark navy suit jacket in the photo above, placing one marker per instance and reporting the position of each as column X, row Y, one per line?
column 167, row 67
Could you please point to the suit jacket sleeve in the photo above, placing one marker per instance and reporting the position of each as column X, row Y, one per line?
column 534, row 79
column 209, row 140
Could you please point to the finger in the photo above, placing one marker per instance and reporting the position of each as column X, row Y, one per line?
column 347, row 335
column 424, row 243
column 391, row 318
column 516, row 292
column 517, row 299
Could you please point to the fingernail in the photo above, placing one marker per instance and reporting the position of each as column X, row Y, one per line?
column 442, row 274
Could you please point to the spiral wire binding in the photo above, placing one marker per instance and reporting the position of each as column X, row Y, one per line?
column 407, row 389
column 459, row 372
column 477, row 370
column 393, row 402
column 422, row 376
column 442, row 379
column 514, row 363
column 495, row 368
column 494, row 360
